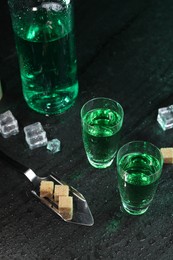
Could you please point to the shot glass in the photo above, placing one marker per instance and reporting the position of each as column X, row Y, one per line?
column 102, row 120
column 139, row 167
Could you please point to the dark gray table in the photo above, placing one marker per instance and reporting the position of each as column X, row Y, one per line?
column 125, row 52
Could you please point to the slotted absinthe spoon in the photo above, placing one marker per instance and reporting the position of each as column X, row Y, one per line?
column 81, row 211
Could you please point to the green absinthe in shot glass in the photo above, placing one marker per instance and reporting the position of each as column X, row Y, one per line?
column 100, row 135
column 138, row 175
column 46, row 50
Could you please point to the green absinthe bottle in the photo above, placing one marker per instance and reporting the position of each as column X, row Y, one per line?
column 45, row 44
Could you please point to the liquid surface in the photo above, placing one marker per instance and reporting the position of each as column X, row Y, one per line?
column 101, row 133
column 138, row 176
column 47, row 58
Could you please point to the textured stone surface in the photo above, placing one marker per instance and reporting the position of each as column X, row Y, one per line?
column 125, row 51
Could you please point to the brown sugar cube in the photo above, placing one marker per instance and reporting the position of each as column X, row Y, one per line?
column 46, row 189
column 60, row 190
column 66, row 207
column 167, row 154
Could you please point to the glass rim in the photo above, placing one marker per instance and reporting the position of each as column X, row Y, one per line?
column 140, row 141
column 108, row 99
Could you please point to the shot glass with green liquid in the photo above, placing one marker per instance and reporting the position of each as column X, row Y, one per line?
column 102, row 120
column 44, row 35
column 139, row 167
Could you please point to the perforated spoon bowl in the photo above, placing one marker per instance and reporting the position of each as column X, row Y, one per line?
column 81, row 211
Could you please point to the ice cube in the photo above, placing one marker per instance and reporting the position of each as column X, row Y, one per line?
column 165, row 117
column 8, row 124
column 37, row 140
column 54, row 145
column 33, row 129
column 4, row 117
column 10, row 129
column 35, row 135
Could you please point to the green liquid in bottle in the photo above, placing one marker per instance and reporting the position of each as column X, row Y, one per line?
column 47, row 58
